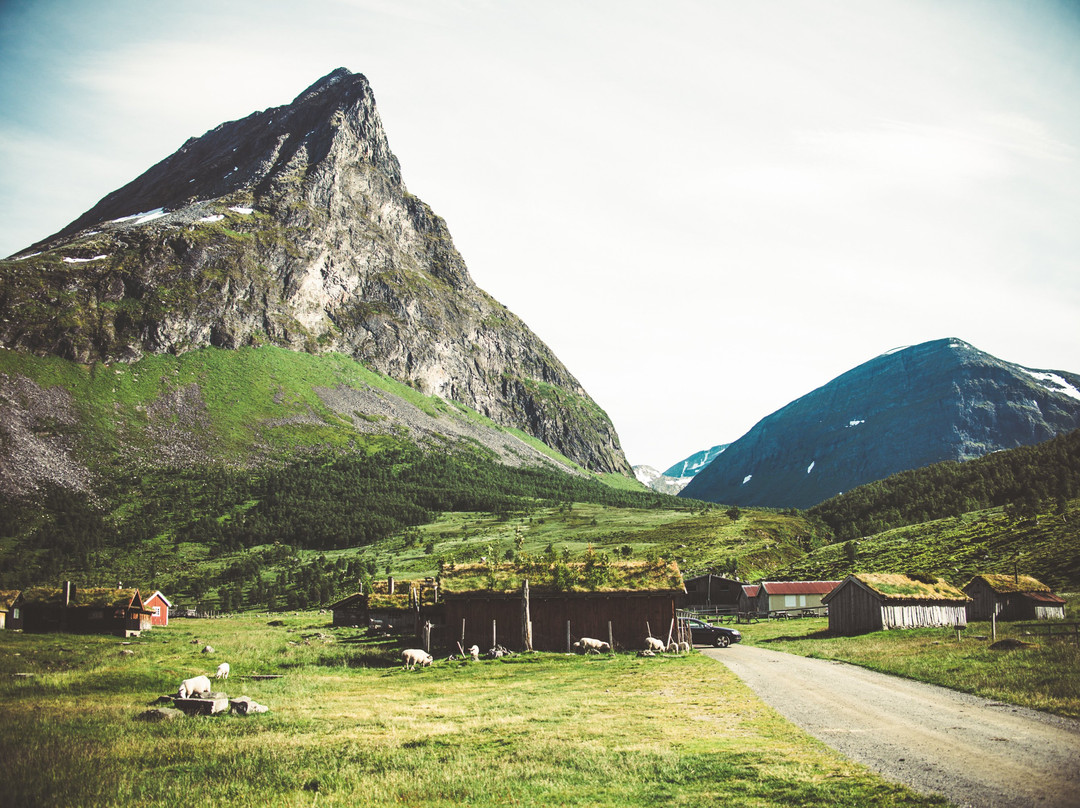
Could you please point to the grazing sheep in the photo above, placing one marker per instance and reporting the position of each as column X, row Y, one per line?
column 414, row 657
column 684, row 647
column 222, row 671
column 587, row 645
column 474, row 652
column 672, row 647
column 653, row 644
column 208, row 649
column 194, row 687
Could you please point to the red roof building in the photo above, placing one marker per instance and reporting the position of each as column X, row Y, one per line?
column 159, row 607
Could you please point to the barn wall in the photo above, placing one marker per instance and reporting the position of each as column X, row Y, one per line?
column 984, row 601
column 923, row 615
column 1050, row 611
column 854, row 610
column 588, row 616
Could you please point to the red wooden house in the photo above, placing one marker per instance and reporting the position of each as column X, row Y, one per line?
column 159, row 607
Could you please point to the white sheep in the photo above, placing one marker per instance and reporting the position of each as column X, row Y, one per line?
column 474, row 652
column 684, row 647
column 195, row 686
column 587, row 645
column 222, row 671
column 654, row 644
column 672, row 647
column 416, row 656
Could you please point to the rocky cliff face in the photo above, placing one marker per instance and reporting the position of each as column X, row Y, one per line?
column 293, row 227
column 942, row 400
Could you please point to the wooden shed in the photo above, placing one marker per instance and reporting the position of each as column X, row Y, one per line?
column 1012, row 597
column 487, row 603
column 158, row 605
column 867, row 602
column 748, row 603
column 713, row 590
column 792, row 597
column 8, row 609
column 94, row 610
column 390, row 605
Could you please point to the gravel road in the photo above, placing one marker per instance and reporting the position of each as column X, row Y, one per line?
column 973, row 751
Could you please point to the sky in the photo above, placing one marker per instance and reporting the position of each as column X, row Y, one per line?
column 707, row 208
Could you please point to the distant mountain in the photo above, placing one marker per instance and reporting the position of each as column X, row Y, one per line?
column 691, row 466
column 291, row 228
column 661, row 483
column 908, row 408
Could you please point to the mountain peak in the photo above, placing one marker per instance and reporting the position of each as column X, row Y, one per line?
column 906, row 408
column 329, row 80
column 292, row 227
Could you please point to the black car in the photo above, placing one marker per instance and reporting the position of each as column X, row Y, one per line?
column 704, row 634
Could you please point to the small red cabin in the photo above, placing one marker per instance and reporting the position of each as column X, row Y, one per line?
column 159, row 607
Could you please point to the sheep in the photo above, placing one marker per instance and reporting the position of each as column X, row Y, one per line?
column 222, row 671
column 672, row 647
column 685, row 647
column 474, row 652
column 653, row 644
column 193, row 687
column 415, row 656
column 587, row 645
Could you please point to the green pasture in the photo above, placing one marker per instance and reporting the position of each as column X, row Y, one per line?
column 348, row 726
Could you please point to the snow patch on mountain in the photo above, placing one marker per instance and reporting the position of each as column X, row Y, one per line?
column 1060, row 384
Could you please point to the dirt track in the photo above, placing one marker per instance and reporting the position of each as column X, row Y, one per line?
column 972, row 751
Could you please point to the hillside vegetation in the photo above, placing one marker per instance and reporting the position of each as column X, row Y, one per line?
column 1024, row 479
column 1045, row 544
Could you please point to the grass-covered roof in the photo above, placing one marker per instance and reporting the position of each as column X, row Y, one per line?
column 1006, row 584
column 895, row 586
column 91, row 596
column 595, row 574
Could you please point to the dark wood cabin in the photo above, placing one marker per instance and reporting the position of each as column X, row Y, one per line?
column 713, row 590
column 1012, row 597
column 83, row 610
column 748, row 599
column 391, row 605
column 867, row 602
column 484, row 605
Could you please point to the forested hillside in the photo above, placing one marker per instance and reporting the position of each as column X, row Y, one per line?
column 326, row 503
column 1022, row 479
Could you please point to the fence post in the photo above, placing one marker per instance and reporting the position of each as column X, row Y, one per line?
column 568, row 636
column 610, row 638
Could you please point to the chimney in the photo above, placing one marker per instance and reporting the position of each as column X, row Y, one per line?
column 390, row 585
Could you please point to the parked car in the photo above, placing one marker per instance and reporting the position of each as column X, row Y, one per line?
column 704, row 634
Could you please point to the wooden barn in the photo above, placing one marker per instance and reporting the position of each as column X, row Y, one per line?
column 792, row 597
column 158, row 606
column 83, row 610
column 1012, row 597
column 876, row 601
column 9, row 611
column 487, row 604
column 713, row 590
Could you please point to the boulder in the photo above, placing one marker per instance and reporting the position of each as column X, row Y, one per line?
column 245, row 705
column 160, row 714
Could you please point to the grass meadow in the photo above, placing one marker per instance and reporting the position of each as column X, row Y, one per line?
column 347, row 726
column 1043, row 674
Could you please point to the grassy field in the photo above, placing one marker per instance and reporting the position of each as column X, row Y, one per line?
column 1042, row 675
column 347, row 726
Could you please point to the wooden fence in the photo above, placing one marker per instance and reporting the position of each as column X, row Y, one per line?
column 1051, row 629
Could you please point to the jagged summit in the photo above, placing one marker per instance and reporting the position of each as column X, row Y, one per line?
column 335, row 118
column 292, row 227
column 904, row 409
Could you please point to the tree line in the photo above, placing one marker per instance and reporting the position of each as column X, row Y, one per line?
column 1021, row 480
